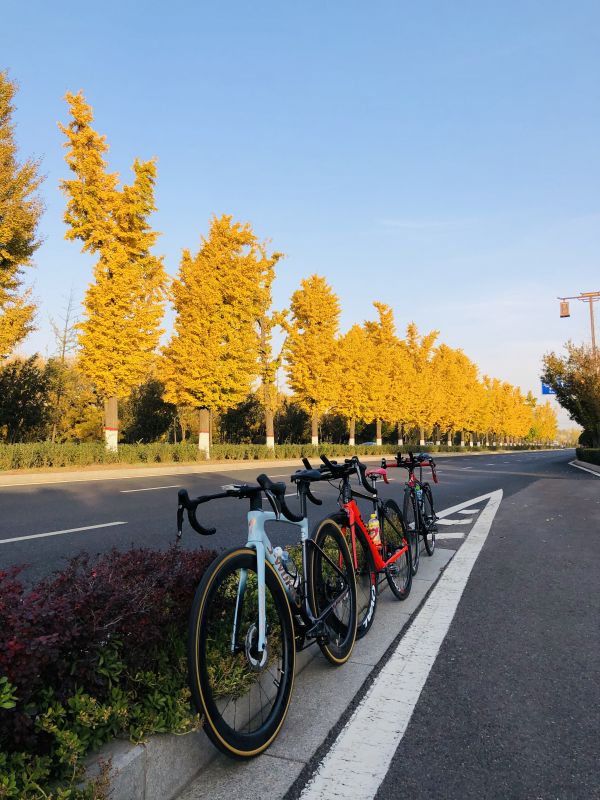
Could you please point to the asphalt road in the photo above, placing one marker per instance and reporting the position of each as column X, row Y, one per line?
column 510, row 703
column 146, row 507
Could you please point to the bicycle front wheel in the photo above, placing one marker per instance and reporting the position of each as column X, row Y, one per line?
column 399, row 572
column 332, row 591
column 412, row 522
column 429, row 520
column 243, row 693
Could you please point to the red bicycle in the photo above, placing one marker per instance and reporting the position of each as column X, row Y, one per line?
column 380, row 547
column 417, row 509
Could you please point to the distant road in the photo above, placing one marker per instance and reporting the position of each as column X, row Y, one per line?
column 42, row 525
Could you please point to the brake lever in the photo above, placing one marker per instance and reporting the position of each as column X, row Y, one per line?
column 273, row 503
column 179, row 521
column 312, row 498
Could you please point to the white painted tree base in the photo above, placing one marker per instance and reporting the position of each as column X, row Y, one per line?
column 271, row 442
column 204, row 443
column 111, row 439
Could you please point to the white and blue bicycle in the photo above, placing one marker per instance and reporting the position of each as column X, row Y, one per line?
column 253, row 610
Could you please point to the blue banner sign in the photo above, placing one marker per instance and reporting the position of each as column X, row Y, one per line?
column 547, row 389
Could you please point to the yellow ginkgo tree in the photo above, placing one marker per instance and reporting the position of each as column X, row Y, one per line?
column 221, row 297
column 355, row 360
column 20, row 212
column 383, row 369
column 311, row 348
column 421, row 401
column 124, row 304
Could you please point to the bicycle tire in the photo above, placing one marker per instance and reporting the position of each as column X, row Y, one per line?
column 325, row 584
column 429, row 520
column 365, row 575
column 399, row 574
column 411, row 516
column 220, row 679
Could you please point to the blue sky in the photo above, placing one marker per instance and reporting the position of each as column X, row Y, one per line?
column 441, row 157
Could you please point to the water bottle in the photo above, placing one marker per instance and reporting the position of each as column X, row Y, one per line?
column 373, row 529
column 419, row 493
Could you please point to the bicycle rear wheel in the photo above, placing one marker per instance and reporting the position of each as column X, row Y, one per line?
column 412, row 522
column 429, row 520
column 399, row 573
column 332, row 586
column 243, row 694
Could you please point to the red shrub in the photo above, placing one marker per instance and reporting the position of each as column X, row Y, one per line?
column 52, row 636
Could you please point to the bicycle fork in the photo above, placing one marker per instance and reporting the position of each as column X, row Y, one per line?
column 262, row 609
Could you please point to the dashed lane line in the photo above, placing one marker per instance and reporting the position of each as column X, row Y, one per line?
column 150, row 489
column 60, row 533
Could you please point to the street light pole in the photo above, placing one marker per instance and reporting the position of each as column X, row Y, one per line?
column 585, row 297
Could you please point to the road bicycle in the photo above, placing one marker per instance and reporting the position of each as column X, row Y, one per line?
column 252, row 611
column 388, row 556
column 418, row 511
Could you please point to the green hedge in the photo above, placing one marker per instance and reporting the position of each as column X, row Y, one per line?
column 589, row 454
column 46, row 454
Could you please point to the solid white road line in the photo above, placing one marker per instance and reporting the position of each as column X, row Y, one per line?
column 377, row 726
column 150, row 489
column 585, row 469
column 455, row 535
column 59, row 533
column 453, row 521
column 469, row 512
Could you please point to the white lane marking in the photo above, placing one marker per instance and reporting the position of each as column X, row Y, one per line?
column 585, row 469
column 455, row 535
column 60, row 533
column 453, row 521
column 380, row 721
column 469, row 512
column 150, row 489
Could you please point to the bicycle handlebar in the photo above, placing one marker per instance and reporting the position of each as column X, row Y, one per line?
column 420, row 460
column 275, row 493
column 277, row 490
column 346, row 469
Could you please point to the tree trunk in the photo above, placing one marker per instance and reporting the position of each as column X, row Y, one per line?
column 400, row 434
column 378, row 434
column 111, row 424
column 462, row 438
column 421, row 436
column 437, row 435
column 204, row 434
column 449, row 439
column 351, row 437
column 315, row 429
column 270, row 428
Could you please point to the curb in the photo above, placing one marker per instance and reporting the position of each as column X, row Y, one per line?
column 168, row 766
column 164, row 765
